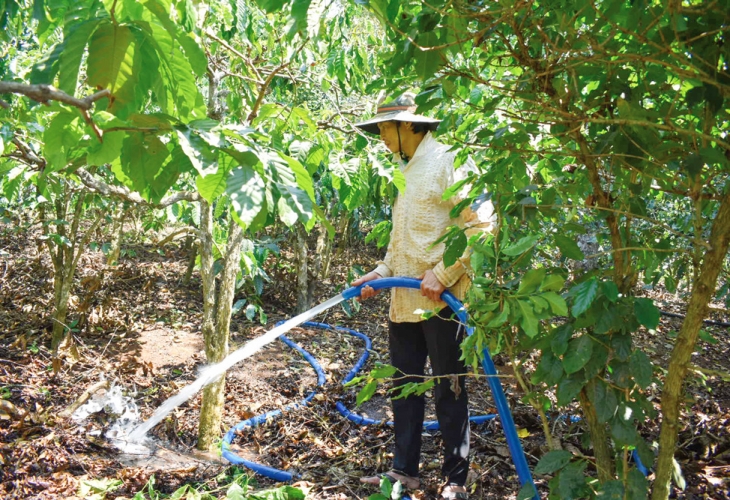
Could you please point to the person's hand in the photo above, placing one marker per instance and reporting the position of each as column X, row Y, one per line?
column 367, row 291
column 431, row 287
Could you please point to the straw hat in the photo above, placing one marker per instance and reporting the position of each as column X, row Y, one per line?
column 400, row 109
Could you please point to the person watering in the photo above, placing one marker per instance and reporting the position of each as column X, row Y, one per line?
column 420, row 218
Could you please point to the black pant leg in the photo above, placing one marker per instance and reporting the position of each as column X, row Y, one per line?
column 443, row 336
column 408, row 353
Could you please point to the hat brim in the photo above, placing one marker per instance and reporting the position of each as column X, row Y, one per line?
column 371, row 125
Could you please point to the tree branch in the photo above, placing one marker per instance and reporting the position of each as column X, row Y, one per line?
column 44, row 93
column 267, row 82
column 28, row 155
column 186, row 230
column 124, row 193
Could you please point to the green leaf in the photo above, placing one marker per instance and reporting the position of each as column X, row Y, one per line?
column 427, row 61
column 521, row 246
column 142, row 162
column 293, row 205
column 610, row 290
column 45, row 70
column 299, row 9
column 550, row 370
column 270, row 6
column 568, row 247
column 646, row 454
column 70, row 58
column 623, row 430
column 195, row 149
column 572, row 481
column 246, row 190
column 60, row 137
column 528, row 321
column 557, row 303
column 583, row 294
column 578, row 354
column 107, row 151
column 604, row 399
column 638, row 485
column 282, row 493
column 366, row 392
column 611, row 490
column 181, row 492
column 386, row 487
column 213, row 185
column 707, row 337
column 641, row 368
column 304, row 180
column 530, row 281
column 553, row 461
column 501, row 318
column 235, row 492
column 621, row 345
column 91, row 486
column 552, row 283
column 455, row 248
column 236, row 308
column 455, row 188
column 527, row 492
column 384, row 371
column 561, row 335
column 568, row 389
column 111, row 63
column 169, row 74
column 193, row 51
column 647, row 313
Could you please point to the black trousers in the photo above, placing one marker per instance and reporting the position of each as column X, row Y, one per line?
column 438, row 338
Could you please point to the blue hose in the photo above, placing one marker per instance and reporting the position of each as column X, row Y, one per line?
column 270, row 472
column 500, row 400
column 505, row 415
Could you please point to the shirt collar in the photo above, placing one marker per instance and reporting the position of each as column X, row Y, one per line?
column 427, row 146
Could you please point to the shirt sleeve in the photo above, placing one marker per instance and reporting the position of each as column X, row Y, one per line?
column 476, row 219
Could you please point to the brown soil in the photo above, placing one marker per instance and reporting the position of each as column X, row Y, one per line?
column 138, row 326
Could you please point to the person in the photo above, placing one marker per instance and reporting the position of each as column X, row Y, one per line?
column 420, row 218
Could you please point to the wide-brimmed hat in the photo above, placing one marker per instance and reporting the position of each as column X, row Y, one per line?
column 400, row 109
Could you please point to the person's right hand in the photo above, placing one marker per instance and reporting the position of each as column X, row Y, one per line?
column 367, row 291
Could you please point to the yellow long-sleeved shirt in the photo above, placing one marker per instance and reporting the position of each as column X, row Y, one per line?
column 420, row 217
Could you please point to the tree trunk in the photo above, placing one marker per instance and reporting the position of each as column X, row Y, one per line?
column 697, row 309
column 212, row 404
column 326, row 253
column 191, row 265
column 316, row 271
column 599, row 438
column 62, row 283
column 342, row 233
column 217, row 322
column 116, row 243
column 302, row 269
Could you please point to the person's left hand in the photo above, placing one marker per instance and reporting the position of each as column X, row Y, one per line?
column 431, row 287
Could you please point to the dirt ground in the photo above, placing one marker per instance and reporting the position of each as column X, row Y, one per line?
column 138, row 328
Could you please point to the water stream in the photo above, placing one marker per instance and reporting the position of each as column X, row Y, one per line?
column 211, row 373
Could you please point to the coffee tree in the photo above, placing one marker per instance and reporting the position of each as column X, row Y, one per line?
column 587, row 118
